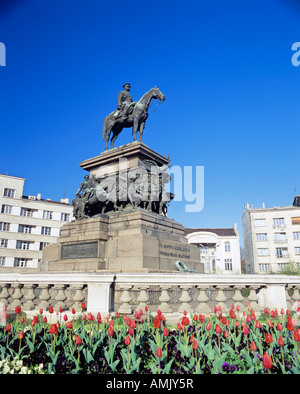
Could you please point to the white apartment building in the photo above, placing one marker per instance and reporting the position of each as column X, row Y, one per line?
column 271, row 237
column 219, row 248
column 27, row 224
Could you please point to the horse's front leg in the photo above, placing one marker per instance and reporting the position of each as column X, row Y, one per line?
column 142, row 126
column 135, row 127
column 107, row 137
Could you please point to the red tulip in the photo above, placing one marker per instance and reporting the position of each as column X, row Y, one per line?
column 18, row 309
column 41, row 311
column 8, row 327
column 185, row 321
column 280, row 341
column 179, row 326
column 60, row 309
column 45, row 319
column 268, row 338
column 282, row 311
column 208, row 326
column 65, row 317
column 50, row 310
column 279, row 327
column 238, row 308
column 35, row 319
column 73, row 311
column 248, row 320
column 232, row 314
column 297, row 335
column 267, row 361
column 165, row 332
column 156, row 323
column 159, row 352
column 258, row 324
column 127, row 340
column 290, row 326
column 130, row 331
column 117, row 314
column 146, row 308
column 78, row 341
column 218, row 329
column 246, row 330
column 22, row 320
column 110, row 331
column 253, row 346
column 195, row 345
column 132, row 324
column 226, row 334
column 21, row 335
column 84, row 316
column 83, row 306
column 270, row 323
column 69, row 325
column 192, row 338
column 53, row 329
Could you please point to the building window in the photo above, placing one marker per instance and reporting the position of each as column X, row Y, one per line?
column 3, row 243
column 297, row 250
column 282, row 252
column 296, row 220
column 227, row 246
column 261, row 237
column 23, row 245
column 46, row 231
column 9, row 193
column 263, row 267
column 21, row 262
column 228, row 264
column 280, row 237
column 262, row 251
column 2, row 261
column 27, row 212
column 4, row 226
column 47, row 214
column 278, row 222
column 296, row 235
column 65, row 217
column 43, row 244
column 7, row 209
column 25, row 229
column 260, row 222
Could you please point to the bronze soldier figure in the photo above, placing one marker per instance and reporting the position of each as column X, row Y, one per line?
column 124, row 103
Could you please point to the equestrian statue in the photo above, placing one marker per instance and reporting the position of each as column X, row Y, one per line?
column 129, row 114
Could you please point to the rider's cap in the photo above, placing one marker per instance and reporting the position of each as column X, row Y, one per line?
column 126, row 84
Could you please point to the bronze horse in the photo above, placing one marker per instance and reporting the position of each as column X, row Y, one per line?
column 135, row 119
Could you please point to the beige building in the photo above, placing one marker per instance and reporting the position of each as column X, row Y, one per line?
column 27, row 224
column 219, row 248
column 271, row 237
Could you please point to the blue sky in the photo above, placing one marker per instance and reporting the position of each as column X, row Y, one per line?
column 232, row 94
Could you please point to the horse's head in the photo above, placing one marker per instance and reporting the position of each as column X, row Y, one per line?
column 157, row 94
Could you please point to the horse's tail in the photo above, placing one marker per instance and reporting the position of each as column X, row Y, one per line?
column 104, row 129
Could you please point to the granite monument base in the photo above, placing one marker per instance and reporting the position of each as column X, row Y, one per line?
column 133, row 240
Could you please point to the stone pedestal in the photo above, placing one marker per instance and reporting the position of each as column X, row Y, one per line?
column 126, row 237
column 130, row 241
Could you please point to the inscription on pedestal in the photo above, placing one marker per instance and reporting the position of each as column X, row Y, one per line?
column 174, row 250
column 79, row 250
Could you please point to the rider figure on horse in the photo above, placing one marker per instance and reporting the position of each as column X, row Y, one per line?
column 125, row 102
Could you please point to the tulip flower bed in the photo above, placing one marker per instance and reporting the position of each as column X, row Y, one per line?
column 228, row 344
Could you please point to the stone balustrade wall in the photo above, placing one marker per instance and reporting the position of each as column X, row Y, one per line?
column 126, row 292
